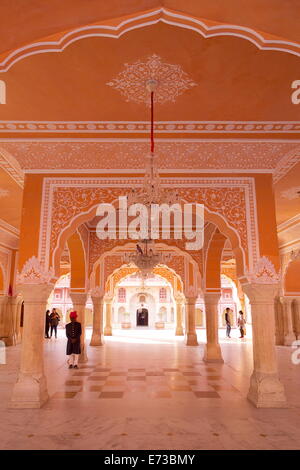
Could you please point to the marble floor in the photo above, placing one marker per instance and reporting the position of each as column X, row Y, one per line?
column 146, row 390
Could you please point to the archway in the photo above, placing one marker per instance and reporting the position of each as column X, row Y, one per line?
column 217, row 219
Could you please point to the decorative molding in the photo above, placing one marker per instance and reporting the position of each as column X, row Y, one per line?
column 288, row 247
column 207, row 29
column 286, row 163
column 64, row 199
column 264, row 272
column 171, row 81
column 142, row 127
column 287, row 224
column 34, row 273
column 182, row 155
column 289, row 234
column 11, row 168
column 9, row 237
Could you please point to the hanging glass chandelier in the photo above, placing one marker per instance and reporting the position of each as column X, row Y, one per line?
column 145, row 258
column 152, row 191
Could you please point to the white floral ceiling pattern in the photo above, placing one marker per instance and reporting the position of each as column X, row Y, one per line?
column 171, row 80
column 171, row 155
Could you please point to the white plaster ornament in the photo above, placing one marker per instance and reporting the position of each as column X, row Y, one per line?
column 171, row 80
column 34, row 273
column 264, row 272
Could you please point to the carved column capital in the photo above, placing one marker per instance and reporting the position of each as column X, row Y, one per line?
column 35, row 293
column 212, row 297
column 191, row 300
column 286, row 300
column 260, row 293
column 97, row 300
column 78, row 298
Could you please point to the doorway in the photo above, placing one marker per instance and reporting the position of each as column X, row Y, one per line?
column 142, row 317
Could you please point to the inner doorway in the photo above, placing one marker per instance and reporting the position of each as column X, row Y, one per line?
column 142, row 316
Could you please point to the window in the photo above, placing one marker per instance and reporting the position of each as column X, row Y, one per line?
column 122, row 294
column 162, row 294
column 2, row 92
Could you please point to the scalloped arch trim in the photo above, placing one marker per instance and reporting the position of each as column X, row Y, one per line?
column 207, row 29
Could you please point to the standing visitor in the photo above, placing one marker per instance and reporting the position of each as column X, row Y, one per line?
column 54, row 319
column 228, row 322
column 73, row 333
column 47, row 324
column 241, row 324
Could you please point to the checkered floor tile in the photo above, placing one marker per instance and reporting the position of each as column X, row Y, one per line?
column 104, row 382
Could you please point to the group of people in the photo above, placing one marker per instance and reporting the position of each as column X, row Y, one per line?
column 241, row 322
column 52, row 320
column 73, row 332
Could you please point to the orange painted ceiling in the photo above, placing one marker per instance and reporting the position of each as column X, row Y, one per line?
column 235, row 80
column 287, row 199
column 10, row 200
column 24, row 22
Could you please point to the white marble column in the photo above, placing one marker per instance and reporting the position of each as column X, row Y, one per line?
column 266, row 390
column 289, row 335
column 97, row 335
column 108, row 326
column 191, row 336
column 212, row 351
column 79, row 301
column 30, row 390
column 179, row 307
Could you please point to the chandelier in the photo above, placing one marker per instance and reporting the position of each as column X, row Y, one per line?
column 152, row 191
column 145, row 258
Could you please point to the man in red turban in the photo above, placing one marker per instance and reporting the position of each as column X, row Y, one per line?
column 73, row 332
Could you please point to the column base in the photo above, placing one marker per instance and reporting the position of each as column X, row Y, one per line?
column 96, row 340
column 191, row 339
column 179, row 331
column 289, row 339
column 266, row 391
column 108, row 331
column 212, row 353
column 83, row 355
column 29, row 392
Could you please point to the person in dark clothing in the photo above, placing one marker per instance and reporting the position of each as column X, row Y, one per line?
column 241, row 324
column 228, row 322
column 54, row 319
column 47, row 324
column 73, row 333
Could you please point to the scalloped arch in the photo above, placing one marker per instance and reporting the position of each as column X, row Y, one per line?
column 207, row 29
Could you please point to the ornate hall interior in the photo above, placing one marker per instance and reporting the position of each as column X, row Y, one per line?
column 191, row 103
